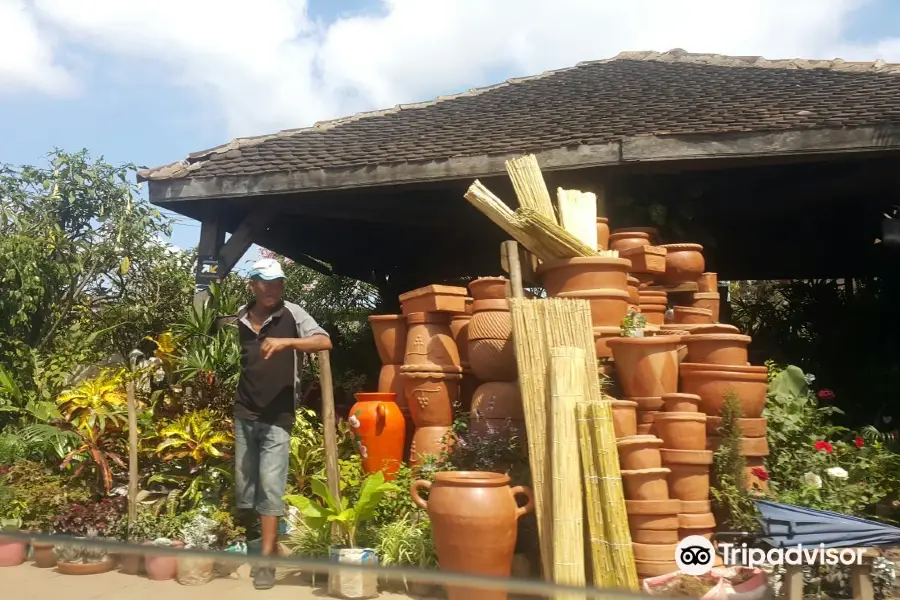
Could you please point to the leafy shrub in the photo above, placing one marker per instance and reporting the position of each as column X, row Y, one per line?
column 42, row 494
column 102, row 517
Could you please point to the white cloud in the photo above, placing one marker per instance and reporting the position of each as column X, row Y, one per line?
column 266, row 65
column 26, row 54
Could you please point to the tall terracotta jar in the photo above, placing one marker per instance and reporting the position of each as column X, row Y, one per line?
column 647, row 366
column 431, row 396
column 490, row 347
column 584, row 273
column 459, row 329
column 474, row 522
column 602, row 233
column 379, row 430
column 429, row 341
column 390, row 337
column 488, row 288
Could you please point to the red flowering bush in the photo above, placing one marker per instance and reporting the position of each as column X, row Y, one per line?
column 825, row 395
column 859, row 442
column 103, row 517
column 760, row 473
column 824, row 446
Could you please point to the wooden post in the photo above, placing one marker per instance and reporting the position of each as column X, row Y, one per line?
column 510, row 255
column 132, row 456
column 329, row 428
column 792, row 582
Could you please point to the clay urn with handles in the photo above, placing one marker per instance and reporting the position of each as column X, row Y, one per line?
column 379, row 431
column 474, row 520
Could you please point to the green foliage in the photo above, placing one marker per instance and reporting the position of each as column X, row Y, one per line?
column 732, row 503
column 406, row 542
column 41, row 494
column 307, row 450
column 500, row 449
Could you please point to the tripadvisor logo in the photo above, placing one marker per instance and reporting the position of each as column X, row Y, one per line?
column 695, row 555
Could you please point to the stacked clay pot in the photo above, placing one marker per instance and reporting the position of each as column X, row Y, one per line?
column 389, row 332
column 459, row 328
column 653, row 305
column 684, row 264
column 431, row 373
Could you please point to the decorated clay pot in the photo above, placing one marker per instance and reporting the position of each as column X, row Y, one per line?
column 379, row 431
column 161, row 567
column 654, row 313
column 390, row 382
column 713, row 383
column 681, row 430
column 679, row 402
column 624, row 414
column 430, row 442
column 602, row 335
column 493, row 360
column 708, row 300
column 390, row 337
column 488, row 288
column 689, row 482
column 708, row 283
column 748, row 427
column 647, row 366
column 602, row 233
column 491, row 320
column 646, row 259
column 12, row 552
column 459, row 329
column 639, row 452
column 429, row 341
column 474, row 520
column 717, row 348
column 608, row 307
column 684, row 262
column 584, row 273
column 431, row 396
column 623, row 240
column 646, row 484
column 688, row 315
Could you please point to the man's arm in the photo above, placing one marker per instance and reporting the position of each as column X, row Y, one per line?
column 310, row 336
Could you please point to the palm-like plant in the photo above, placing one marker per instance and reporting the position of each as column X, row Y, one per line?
column 195, row 436
column 93, row 400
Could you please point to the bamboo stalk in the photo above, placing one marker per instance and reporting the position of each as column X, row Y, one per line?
column 601, row 563
column 502, row 215
column 578, row 215
column 528, row 182
column 556, row 242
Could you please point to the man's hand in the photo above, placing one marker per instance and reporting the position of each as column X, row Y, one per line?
column 272, row 345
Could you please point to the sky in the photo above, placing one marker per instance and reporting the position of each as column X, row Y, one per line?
column 149, row 81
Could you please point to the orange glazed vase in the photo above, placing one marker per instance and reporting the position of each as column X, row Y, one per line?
column 379, row 431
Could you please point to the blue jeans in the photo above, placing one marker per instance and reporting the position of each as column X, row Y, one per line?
column 262, row 454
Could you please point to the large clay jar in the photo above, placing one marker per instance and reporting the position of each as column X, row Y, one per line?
column 584, row 273
column 688, row 315
column 495, row 405
column 647, row 366
column 624, row 240
column 624, row 414
column 390, row 337
column 708, row 300
column 430, row 443
column 491, row 320
column 474, row 520
column 717, row 348
column 429, row 342
column 488, row 288
column 684, row 263
column 602, row 233
column 431, row 396
column 713, row 383
column 608, row 307
column 459, row 329
column 646, row 484
column 379, row 431
column 681, row 430
column 490, row 347
column 639, row 452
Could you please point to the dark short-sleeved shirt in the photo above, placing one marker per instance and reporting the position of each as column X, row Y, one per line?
column 268, row 390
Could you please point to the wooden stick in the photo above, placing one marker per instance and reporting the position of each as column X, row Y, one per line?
column 329, row 429
column 132, row 456
column 510, row 250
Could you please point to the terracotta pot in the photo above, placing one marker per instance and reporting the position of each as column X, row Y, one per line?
column 628, row 239
column 131, row 564
column 679, row 402
column 693, row 507
column 647, row 569
column 602, row 233
column 431, row 397
column 686, row 315
column 689, row 482
column 713, row 328
column 653, row 552
column 665, row 522
column 159, row 567
column 633, row 287
column 12, row 553
column 639, row 452
column 488, row 288
column 459, row 329
column 647, row 366
column 755, row 447
column 646, row 484
column 645, row 429
column 714, row 385
column 646, row 416
column 608, row 307
column 750, row 428
column 390, row 382
column 645, row 404
column 491, row 320
column 602, row 335
column 104, row 566
column 753, row 481
column 584, row 273
column 708, row 300
column 498, row 400
column 654, row 296
column 651, row 507
column 624, row 414
column 717, row 348
column 654, row 313
column 689, row 367
column 390, row 337
column 493, row 360
column 696, row 521
column 434, row 298
column 469, row 301
column 686, row 457
column 681, row 430
column 430, row 342
column 474, row 520
column 684, row 262
column 379, row 431
column 43, row 555
column 652, row 536
column 708, row 282
column 430, row 442
column 646, row 259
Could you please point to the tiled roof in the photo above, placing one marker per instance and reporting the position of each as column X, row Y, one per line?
column 633, row 94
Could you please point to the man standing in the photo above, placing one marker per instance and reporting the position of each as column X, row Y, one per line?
column 273, row 334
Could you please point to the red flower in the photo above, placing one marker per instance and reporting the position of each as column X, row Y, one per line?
column 760, row 473
column 826, row 394
column 823, row 445
column 859, row 442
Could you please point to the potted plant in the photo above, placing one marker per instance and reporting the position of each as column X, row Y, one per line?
column 12, row 552
column 162, row 567
column 197, row 534
column 87, row 559
column 321, row 515
column 403, row 543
